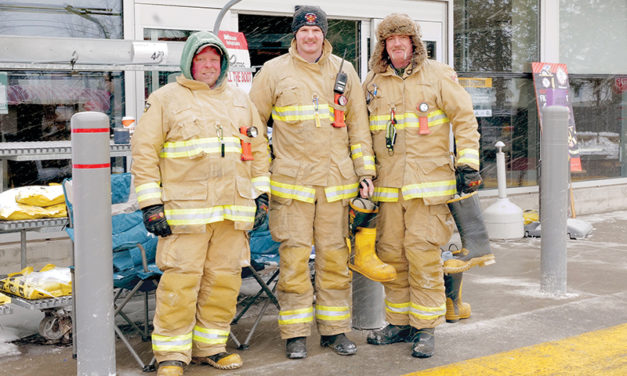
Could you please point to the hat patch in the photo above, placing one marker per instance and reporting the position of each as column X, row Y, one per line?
column 311, row 18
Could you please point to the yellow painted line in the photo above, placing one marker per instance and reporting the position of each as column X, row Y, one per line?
column 602, row 352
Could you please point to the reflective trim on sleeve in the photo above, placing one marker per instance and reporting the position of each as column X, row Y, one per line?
column 430, row 189
column 210, row 336
column 195, row 147
column 407, row 120
column 261, row 183
column 383, row 194
column 296, row 113
column 172, row 343
column 201, row 216
column 297, row 316
column 427, row 313
column 148, row 191
column 339, row 192
column 369, row 163
column 468, row 156
column 400, row 308
column 328, row 313
column 296, row 192
column 356, row 151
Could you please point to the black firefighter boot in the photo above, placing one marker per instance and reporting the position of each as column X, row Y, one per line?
column 455, row 308
column 339, row 343
column 390, row 334
column 296, row 348
column 424, row 343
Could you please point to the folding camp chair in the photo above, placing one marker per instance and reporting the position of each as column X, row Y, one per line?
column 134, row 250
column 262, row 249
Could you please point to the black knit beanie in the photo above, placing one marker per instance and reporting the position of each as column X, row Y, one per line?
column 309, row 15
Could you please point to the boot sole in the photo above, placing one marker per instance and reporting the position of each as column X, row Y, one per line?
column 358, row 270
column 216, row 365
column 458, row 266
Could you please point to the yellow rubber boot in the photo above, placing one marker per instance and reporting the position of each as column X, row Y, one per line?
column 455, row 308
column 170, row 368
column 365, row 260
column 223, row 360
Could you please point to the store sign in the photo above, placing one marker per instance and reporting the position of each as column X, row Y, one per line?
column 550, row 81
column 482, row 94
column 4, row 102
column 620, row 83
column 240, row 74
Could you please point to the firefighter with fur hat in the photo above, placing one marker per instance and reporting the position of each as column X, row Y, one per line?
column 198, row 195
column 413, row 103
column 319, row 165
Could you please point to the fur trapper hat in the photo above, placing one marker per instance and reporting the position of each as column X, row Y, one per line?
column 397, row 24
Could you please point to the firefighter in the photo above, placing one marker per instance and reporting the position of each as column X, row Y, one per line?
column 413, row 103
column 198, row 194
column 323, row 158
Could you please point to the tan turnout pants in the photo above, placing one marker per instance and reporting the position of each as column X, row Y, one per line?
column 297, row 225
column 197, row 294
column 409, row 235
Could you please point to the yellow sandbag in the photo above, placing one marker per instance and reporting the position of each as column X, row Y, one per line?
column 49, row 282
column 40, row 195
column 530, row 216
column 11, row 210
column 4, row 299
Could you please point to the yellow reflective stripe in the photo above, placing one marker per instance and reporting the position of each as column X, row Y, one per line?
column 427, row 313
column 385, row 194
column 430, row 189
column 369, row 163
column 262, row 183
column 210, row 336
column 148, row 191
column 293, row 113
column 401, row 308
column 234, row 213
column 332, row 313
column 172, row 343
column 296, row 316
column 407, row 120
column 356, row 151
column 195, row 147
column 339, row 192
column 468, row 156
column 296, row 192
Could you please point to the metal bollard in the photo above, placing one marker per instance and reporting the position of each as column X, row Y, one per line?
column 93, row 289
column 368, row 310
column 554, row 198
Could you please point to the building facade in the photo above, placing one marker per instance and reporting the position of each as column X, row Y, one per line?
column 109, row 55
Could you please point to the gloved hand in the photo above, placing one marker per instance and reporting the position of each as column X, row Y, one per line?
column 468, row 179
column 154, row 220
column 262, row 210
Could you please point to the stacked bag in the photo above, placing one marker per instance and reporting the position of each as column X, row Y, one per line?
column 50, row 282
column 32, row 202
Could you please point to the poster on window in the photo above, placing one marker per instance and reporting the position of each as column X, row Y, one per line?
column 240, row 74
column 550, row 81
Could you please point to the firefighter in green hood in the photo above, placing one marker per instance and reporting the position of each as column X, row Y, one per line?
column 198, row 195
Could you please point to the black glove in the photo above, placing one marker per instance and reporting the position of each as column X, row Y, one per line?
column 262, row 210
column 154, row 220
column 468, row 179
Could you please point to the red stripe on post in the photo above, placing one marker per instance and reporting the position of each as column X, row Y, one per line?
column 88, row 166
column 90, row 130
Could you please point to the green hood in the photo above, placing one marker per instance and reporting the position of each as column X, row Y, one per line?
column 193, row 44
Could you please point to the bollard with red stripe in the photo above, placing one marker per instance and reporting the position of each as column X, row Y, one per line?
column 93, row 282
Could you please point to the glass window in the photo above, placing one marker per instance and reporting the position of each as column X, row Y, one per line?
column 59, row 18
column 495, row 43
column 271, row 36
column 40, row 107
column 596, row 59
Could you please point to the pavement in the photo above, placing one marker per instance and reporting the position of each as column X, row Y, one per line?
column 512, row 319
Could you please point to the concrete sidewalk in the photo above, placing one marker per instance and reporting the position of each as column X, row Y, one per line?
column 508, row 312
